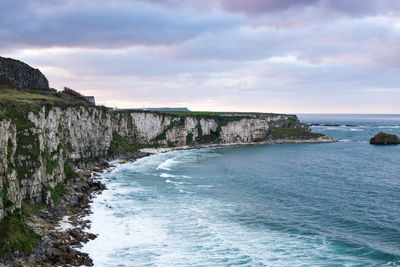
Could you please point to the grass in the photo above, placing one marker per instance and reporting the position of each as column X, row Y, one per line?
column 16, row 236
column 7, row 203
column 69, row 173
column 292, row 133
column 191, row 113
column 33, row 100
column 50, row 164
column 119, row 146
column 189, row 138
column 57, row 192
column 31, row 209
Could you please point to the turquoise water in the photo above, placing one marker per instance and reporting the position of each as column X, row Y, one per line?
column 271, row 205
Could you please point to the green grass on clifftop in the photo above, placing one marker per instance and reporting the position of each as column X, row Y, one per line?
column 31, row 99
column 194, row 113
column 292, row 134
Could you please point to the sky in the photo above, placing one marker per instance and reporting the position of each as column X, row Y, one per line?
column 285, row 56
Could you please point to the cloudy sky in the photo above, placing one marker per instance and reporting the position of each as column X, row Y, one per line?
column 292, row 56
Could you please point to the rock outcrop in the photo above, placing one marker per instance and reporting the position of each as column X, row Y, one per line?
column 385, row 139
column 21, row 74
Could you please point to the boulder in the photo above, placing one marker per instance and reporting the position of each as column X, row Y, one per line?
column 385, row 139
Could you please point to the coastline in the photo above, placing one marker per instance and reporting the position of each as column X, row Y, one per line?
column 63, row 227
column 322, row 139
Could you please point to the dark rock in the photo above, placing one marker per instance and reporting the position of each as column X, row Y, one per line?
column 332, row 125
column 22, row 75
column 91, row 236
column 385, row 139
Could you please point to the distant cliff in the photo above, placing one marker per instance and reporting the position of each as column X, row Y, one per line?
column 21, row 74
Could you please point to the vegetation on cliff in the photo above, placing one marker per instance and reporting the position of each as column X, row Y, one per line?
column 214, row 113
column 15, row 235
column 15, row 104
column 292, row 133
column 34, row 100
column 120, row 146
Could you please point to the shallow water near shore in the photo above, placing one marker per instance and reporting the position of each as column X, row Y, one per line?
column 268, row 205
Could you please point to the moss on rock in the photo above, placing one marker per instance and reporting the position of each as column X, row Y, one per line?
column 384, row 139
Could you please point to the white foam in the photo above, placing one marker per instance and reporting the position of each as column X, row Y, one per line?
column 167, row 175
column 64, row 224
column 204, row 186
column 182, row 183
column 389, row 127
column 166, row 165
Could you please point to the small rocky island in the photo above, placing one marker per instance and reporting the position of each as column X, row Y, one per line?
column 385, row 139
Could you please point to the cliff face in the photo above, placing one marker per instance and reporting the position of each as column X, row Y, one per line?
column 22, row 74
column 40, row 150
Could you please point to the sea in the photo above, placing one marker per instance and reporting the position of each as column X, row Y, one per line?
column 334, row 204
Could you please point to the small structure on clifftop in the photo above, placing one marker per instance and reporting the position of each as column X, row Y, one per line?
column 71, row 92
column 385, row 139
column 89, row 99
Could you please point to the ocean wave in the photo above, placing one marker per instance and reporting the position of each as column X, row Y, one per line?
column 204, row 186
column 333, row 125
column 389, row 127
column 167, row 175
column 353, row 141
column 166, row 165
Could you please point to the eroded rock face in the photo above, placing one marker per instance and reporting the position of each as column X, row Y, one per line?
column 33, row 159
column 22, row 74
column 385, row 139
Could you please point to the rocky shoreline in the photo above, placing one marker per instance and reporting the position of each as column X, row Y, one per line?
column 63, row 228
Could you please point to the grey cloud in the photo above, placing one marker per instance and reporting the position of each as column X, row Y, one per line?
column 258, row 7
column 99, row 24
column 267, row 6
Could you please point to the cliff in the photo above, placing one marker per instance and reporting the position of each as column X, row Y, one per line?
column 21, row 74
column 39, row 149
